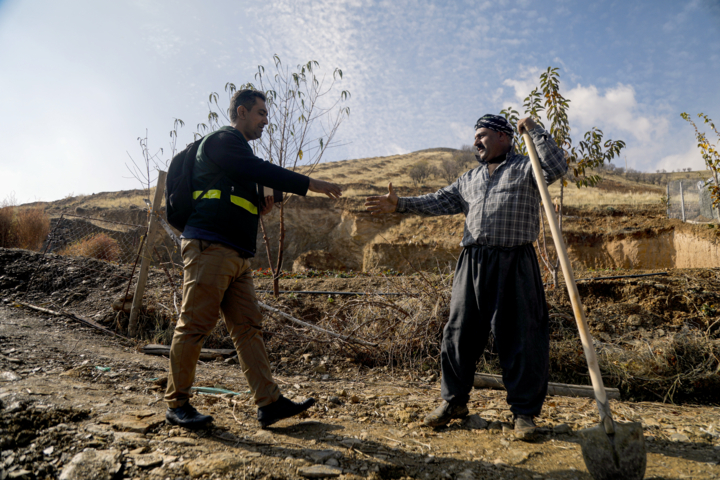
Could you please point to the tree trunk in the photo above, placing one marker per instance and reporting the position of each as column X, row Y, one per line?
column 281, row 245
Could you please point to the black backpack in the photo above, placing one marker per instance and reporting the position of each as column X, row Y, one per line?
column 178, row 186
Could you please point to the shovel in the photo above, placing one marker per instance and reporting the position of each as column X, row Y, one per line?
column 611, row 450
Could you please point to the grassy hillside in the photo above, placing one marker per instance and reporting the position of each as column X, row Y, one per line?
column 370, row 176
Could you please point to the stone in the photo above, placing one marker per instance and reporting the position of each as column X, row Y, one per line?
column 334, row 399
column 320, row 456
column 129, row 439
column 9, row 377
column 148, row 460
column 232, row 360
column 516, row 457
column 99, row 429
column 131, row 423
column 562, row 429
column 95, row 464
column 354, row 399
column 350, row 442
column 319, row 471
column 21, row 474
column 217, row 463
column 679, row 437
column 185, row 441
column 475, row 422
column 332, row 462
column 466, row 475
column 320, row 368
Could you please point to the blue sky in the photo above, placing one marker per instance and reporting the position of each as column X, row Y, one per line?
column 80, row 81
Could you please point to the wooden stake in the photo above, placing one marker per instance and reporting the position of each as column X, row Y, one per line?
column 147, row 255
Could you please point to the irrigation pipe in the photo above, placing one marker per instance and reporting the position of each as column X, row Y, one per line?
column 318, row 292
column 591, row 279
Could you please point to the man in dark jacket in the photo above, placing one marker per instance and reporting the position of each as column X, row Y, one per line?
column 497, row 285
column 217, row 243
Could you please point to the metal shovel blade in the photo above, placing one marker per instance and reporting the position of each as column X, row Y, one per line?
column 616, row 456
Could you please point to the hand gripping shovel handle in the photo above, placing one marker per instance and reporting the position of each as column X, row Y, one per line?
column 597, row 383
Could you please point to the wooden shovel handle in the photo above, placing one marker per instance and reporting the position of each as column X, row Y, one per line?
column 585, row 337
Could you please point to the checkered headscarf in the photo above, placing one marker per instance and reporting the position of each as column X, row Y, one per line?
column 495, row 123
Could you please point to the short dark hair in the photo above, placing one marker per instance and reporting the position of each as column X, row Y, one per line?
column 246, row 98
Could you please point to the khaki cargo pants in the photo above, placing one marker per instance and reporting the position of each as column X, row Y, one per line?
column 217, row 280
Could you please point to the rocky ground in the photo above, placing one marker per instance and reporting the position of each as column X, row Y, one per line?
column 78, row 404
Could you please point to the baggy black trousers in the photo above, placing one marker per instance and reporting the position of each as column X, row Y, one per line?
column 501, row 289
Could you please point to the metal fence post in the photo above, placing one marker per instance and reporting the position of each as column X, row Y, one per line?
column 667, row 199
column 682, row 201
column 147, row 256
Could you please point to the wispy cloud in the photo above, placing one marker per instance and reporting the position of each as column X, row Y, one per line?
column 420, row 73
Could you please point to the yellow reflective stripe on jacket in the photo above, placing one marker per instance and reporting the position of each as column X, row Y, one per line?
column 209, row 194
column 241, row 202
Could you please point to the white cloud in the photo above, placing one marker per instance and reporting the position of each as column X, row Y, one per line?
column 689, row 158
column 617, row 112
column 617, row 109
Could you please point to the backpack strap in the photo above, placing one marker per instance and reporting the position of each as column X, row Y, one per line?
column 207, row 189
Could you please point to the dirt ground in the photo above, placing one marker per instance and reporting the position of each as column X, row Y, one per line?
column 66, row 388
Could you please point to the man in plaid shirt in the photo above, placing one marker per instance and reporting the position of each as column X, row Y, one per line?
column 497, row 284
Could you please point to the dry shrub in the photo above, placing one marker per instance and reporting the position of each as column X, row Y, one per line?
column 680, row 367
column 99, row 245
column 22, row 228
column 32, row 226
column 7, row 214
column 406, row 327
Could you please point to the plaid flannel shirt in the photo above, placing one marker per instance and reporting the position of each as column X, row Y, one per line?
column 502, row 209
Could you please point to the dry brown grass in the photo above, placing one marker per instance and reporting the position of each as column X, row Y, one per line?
column 32, row 226
column 23, row 227
column 100, row 246
column 7, row 214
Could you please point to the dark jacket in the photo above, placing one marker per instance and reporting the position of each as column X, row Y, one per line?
column 229, row 211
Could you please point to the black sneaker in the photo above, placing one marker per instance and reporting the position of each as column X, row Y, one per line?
column 444, row 413
column 186, row 416
column 282, row 408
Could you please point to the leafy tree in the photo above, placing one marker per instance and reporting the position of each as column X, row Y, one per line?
column 589, row 155
column 305, row 111
column 710, row 154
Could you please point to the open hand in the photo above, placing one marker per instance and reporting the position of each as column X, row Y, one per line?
column 382, row 204
column 330, row 189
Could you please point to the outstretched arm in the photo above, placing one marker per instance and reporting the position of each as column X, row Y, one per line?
column 446, row 201
column 330, row 189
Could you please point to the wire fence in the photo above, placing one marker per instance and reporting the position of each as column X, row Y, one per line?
column 89, row 262
column 690, row 200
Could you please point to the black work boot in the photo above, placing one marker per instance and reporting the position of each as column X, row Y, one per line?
column 525, row 428
column 186, row 416
column 281, row 408
column 444, row 413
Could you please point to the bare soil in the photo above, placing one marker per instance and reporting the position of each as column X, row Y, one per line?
column 66, row 388
column 370, row 417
